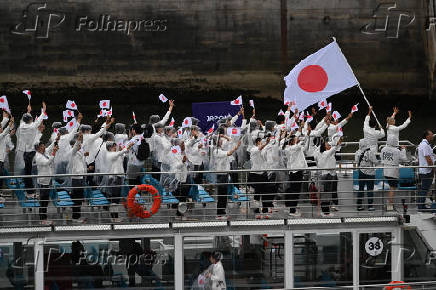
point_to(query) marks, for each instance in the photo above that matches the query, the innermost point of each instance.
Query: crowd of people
(294, 141)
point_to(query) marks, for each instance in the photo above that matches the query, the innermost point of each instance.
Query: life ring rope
(135, 209)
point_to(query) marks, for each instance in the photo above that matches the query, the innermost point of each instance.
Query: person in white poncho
(393, 130)
(391, 156)
(215, 273)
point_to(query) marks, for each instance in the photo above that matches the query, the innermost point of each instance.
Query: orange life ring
(135, 209)
(398, 286)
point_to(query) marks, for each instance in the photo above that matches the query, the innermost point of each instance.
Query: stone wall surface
(209, 44)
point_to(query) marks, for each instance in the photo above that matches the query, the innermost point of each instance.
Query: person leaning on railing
(426, 157)
(44, 159)
(366, 157)
(391, 156)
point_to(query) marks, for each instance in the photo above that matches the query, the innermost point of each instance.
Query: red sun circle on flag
(2, 100)
(312, 79)
(237, 102)
(174, 151)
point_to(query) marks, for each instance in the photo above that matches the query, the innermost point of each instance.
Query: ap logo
(38, 21)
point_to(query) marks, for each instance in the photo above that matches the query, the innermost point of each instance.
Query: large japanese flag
(319, 76)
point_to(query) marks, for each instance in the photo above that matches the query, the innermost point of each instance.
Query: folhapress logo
(38, 20)
(388, 20)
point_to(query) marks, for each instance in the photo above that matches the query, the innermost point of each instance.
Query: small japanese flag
(55, 130)
(252, 103)
(44, 114)
(322, 104)
(336, 115)
(339, 131)
(102, 113)
(234, 131)
(134, 117)
(180, 133)
(328, 108)
(71, 105)
(280, 113)
(210, 131)
(294, 126)
(237, 102)
(201, 280)
(105, 104)
(176, 149)
(27, 93)
(301, 118)
(4, 104)
(171, 124)
(67, 114)
(309, 118)
(355, 108)
(187, 122)
(109, 113)
(162, 98)
(71, 124)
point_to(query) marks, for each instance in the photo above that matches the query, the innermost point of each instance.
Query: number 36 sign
(374, 246)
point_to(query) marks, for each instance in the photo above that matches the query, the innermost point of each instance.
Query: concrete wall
(208, 44)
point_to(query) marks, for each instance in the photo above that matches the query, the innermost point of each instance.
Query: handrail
(314, 168)
(369, 286)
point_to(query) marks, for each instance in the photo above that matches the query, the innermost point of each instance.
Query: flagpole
(369, 105)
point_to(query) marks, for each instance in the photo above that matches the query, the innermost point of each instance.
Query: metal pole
(38, 251)
(178, 262)
(356, 262)
(397, 255)
(289, 260)
(369, 105)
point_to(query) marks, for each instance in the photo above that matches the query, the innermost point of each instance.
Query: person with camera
(44, 159)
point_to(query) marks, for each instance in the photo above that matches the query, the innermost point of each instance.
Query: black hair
(137, 128)
(257, 140)
(37, 145)
(221, 130)
(372, 123)
(216, 255)
(426, 133)
(280, 119)
(322, 146)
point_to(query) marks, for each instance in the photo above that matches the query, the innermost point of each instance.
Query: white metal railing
(244, 200)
